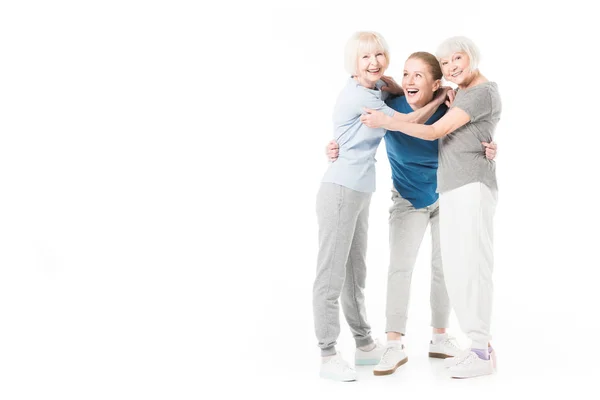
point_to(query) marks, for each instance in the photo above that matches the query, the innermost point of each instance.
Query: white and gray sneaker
(393, 357)
(445, 347)
(372, 357)
(337, 369)
(469, 365)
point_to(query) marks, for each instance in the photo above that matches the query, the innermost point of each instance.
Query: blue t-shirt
(414, 161)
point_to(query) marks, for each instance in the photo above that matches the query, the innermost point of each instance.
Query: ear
(436, 85)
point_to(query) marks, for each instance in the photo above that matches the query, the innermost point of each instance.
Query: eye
(405, 74)
(419, 75)
(379, 54)
(365, 56)
(444, 62)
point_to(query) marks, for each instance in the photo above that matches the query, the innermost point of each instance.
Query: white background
(159, 163)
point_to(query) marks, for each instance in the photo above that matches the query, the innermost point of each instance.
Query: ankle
(438, 337)
(482, 353)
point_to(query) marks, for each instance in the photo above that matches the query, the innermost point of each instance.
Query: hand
(392, 86)
(332, 150)
(372, 118)
(450, 97)
(442, 94)
(490, 150)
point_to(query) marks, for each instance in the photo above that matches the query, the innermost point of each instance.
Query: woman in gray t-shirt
(468, 196)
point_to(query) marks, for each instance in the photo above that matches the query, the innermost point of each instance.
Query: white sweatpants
(466, 235)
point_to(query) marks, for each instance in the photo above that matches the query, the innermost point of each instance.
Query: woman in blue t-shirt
(414, 164)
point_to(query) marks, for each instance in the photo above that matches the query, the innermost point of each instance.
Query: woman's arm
(391, 86)
(419, 116)
(374, 119)
(454, 119)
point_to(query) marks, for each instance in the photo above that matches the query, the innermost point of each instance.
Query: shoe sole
(440, 355)
(333, 378)
(391, 371)
(371, 361)
(483, 373)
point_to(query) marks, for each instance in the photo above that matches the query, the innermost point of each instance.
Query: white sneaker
(392, 358)
(369, 357)
(337, 369)
(470, 366)
(444, 348)
(451, 362)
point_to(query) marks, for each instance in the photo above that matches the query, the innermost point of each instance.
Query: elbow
(432, 135)
(435, 134)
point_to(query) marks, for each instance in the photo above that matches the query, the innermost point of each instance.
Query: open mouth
(411, 92)
(374, 71)
(454, 75)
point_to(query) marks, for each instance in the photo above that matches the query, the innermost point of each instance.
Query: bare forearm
(426, 132)
(451, 121)
(419, 116)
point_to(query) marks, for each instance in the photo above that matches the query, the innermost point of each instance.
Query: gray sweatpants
(343, 216)
(407, 228)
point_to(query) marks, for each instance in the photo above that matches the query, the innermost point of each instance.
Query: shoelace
(451, 341)
(387, 354)
(461, 356)
(468, 359)
(342, 363)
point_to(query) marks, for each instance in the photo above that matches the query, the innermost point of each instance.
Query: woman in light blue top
(343, 205)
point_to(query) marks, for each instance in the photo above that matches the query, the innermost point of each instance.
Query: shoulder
(398, 103)
(482, 89)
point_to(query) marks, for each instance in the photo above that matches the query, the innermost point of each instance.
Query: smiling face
(418, 82)
(456, 68)
(370, 68)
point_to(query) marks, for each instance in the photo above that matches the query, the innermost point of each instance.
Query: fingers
(333, 153)
(451, 95)
(491, 145)
(490, 154)
(332, 150)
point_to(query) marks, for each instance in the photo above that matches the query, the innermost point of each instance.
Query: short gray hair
(459, 44)
(364, 42)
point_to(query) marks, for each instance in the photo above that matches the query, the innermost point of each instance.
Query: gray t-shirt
(462, 156)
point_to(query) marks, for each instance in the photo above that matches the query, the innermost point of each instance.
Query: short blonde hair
(459, 44)
(364, 42)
